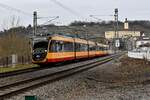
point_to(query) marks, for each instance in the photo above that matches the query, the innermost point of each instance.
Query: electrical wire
(65, 7)
(101, 15)
(50, 20)
(47, 17)
(14, 9)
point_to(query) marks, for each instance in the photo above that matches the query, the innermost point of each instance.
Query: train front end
(40, 50)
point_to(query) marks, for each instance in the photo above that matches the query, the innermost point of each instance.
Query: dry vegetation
(124, 71)
(13, 43)
(134, 70)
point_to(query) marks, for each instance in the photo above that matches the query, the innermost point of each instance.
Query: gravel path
(96, 84)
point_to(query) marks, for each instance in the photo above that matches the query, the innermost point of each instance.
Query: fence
(139, 54)
(14, 60)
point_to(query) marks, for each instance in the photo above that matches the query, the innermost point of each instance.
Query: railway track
(18, 72)
(20, 86)
(13, 73)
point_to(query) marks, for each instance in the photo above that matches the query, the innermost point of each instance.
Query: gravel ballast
(100, 83)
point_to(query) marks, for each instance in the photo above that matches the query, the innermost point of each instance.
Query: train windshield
(40, 47)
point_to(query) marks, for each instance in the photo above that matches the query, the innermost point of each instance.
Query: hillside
(94, 31)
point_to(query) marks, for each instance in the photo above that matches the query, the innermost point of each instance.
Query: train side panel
(60, 56)
(92, 53)
(100, 53)
(83, 54)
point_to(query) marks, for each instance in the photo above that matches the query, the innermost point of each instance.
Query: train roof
(78, 40)
(39, 39)
(68, 39)
(91, 43)
(65, 38)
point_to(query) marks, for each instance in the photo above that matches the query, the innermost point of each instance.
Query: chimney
(126, 24)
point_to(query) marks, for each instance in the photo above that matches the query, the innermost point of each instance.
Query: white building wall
(138, 43)
(122, 34)
(140, 54)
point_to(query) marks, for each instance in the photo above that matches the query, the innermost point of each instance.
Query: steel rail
(21, 86)
(41, 76)
(19, 72)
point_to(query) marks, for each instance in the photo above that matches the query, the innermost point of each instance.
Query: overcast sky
(76, 10)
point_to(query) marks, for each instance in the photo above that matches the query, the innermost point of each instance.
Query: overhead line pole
(34, 23)
(116, 30)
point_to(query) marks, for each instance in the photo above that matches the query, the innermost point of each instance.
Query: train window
(52, 46)
(68, 47)
(43, 44)
(56, 46)
(101, 48)
(81, 47)
(106, 48)
(97, 48)
(61, 46)
(92, 47)
(40, 47)
(77, 47)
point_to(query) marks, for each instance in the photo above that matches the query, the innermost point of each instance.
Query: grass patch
(17, 67)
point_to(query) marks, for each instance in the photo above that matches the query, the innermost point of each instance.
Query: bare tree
(13, 42)
(11, 22)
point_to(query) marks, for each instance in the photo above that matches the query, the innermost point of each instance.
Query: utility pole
(34, 23)
(116, 20)
(116, 38)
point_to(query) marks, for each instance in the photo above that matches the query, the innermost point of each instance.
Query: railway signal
(117, 43)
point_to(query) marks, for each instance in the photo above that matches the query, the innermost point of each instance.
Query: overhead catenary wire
(65, 7)
(54, 18)
(97, 16)
(46, 17)
(7, 7)
(101, 15)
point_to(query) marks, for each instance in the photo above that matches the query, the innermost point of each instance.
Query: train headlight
(38, 56)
